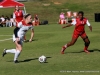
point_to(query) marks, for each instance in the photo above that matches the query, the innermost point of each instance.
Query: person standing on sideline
(18, 38)
(79, 30)
(36, 21)
(18, 15)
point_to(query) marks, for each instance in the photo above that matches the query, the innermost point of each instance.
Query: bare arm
(32, 35)
(71, 24)
(67, 26)
(14, 17)
(90, 27)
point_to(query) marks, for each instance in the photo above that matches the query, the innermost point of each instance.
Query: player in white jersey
(18, 36)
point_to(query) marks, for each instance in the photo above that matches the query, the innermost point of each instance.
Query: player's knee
(87, 43)
(20, 48)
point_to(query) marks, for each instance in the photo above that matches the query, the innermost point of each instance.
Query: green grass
(48, 41)
(51, 12)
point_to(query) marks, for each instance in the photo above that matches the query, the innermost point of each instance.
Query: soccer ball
(42, 59)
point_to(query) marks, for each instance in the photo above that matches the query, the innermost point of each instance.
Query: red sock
(63, 48)
(86, 48)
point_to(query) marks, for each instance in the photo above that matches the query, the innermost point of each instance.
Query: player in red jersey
(79, 30)
(18, 15)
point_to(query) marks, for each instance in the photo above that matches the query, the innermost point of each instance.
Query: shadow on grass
(47, 59)
(32, 40)
(28, 60)
(94, 50)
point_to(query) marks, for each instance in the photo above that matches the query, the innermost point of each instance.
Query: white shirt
(11, 20)
(3, 19)
(23, 29)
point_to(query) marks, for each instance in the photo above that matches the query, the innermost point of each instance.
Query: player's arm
(32, 35)
(71, 24)
(14, 17)
(67, 26)
(89, 25)
(23, 12)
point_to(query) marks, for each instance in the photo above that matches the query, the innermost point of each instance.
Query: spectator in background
(7, 21)
(3, 19)
(36, 21)
(62, 19)
(1, 23)
(18, 15)
(12, 23)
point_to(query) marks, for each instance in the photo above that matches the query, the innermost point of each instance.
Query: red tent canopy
(10, 3)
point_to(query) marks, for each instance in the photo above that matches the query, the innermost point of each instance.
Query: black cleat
(4, 53)
(16, 61)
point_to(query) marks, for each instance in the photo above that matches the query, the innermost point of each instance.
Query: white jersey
(3, 19)
(23, 29)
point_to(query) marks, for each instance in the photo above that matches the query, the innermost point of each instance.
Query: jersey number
(82, 22)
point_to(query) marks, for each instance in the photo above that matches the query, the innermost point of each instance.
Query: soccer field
(48, 41)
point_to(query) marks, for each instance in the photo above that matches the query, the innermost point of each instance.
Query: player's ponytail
(81, 12)
(26, 15)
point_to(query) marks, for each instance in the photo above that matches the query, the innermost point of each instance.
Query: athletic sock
(64, 47)
(16, 55)
(86, 48)
(10, 50)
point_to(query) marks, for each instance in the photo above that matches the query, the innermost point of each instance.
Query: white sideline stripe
(6, 39)
(5, 35)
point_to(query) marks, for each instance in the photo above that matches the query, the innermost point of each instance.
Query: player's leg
(86, 42)
(74, 39)
(9, 50)
(18, 50)
(24, 38)
(68, 44)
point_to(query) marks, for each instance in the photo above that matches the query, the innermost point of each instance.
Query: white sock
(16, 54)
(65, 46)
(11, 51)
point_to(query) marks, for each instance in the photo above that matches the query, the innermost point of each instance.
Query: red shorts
(76, 34)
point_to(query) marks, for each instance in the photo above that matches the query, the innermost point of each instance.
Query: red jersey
(18, 15)
(80, 25)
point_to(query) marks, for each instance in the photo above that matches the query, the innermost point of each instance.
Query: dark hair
(81, 12)
(2, 15)
(26, 15)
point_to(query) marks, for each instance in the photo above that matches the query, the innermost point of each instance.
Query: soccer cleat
(4, 53)
(86, 51)
(63, 49)
(62, 52)
(16, 61)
